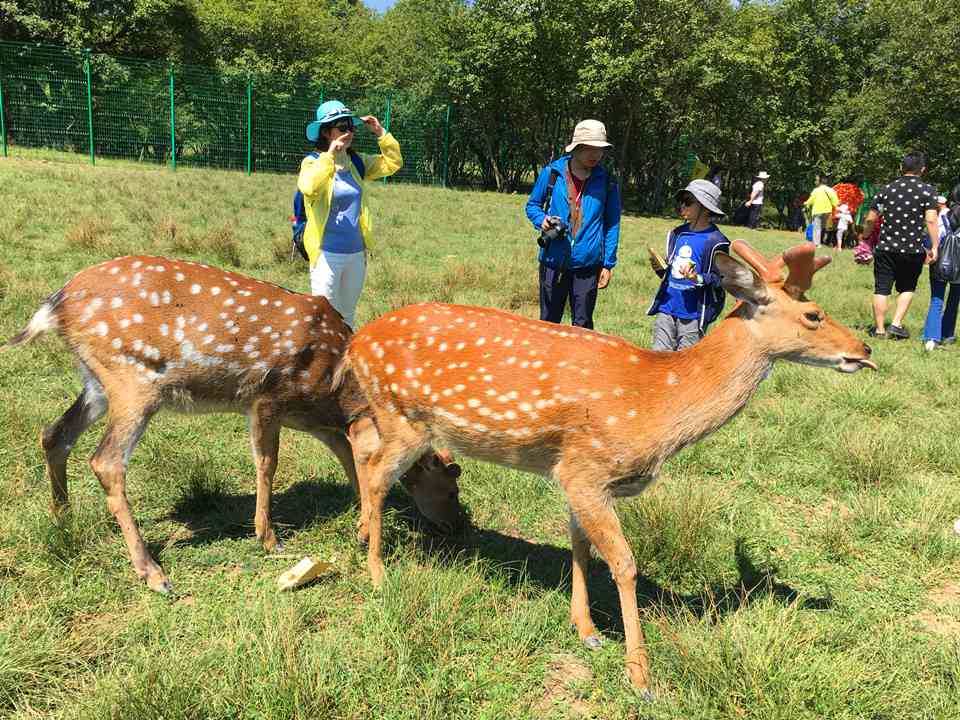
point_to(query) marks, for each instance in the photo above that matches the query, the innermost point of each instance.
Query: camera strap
(554, 174)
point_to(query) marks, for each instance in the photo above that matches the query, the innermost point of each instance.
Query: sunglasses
(343, 126)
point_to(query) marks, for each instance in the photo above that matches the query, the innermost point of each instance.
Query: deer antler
(801, 265)
(769, 272)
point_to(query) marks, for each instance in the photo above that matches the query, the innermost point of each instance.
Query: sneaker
(949, 340)
(872, 332)
(931, 345)
(897, 332)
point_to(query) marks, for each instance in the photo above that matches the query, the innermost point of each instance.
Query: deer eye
(812, 317)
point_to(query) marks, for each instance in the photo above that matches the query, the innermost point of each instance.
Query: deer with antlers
(592, 411)
(150, 333)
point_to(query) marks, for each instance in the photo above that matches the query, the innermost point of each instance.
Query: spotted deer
(150, 333)
(592, 411)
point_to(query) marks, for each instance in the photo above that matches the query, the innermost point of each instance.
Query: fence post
(386, 120)
(173, 137)
(86, 72)
(446, 147)
(249, 126)
(3, 120)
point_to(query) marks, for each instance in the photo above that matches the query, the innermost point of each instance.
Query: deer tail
(43, 320)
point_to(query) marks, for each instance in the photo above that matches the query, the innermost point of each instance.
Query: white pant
(339, 278)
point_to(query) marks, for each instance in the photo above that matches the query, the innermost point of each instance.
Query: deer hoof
(277, 548)
(646, 695)
(594, 642)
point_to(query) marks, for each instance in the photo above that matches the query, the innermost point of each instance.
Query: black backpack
(298, 221)
(947, 266)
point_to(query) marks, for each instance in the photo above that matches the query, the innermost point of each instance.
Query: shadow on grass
(550, 567)
(217, 515)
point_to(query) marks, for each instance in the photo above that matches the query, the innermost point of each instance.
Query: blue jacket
(596, 243)
(710, 295)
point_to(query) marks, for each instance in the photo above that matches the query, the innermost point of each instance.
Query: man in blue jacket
(575, 204)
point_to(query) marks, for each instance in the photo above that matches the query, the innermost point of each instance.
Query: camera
(557, 230)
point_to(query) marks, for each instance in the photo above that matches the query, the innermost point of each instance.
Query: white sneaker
(930, 345)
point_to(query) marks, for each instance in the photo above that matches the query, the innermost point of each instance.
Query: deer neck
(713, 380)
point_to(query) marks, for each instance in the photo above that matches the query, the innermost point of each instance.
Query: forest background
(791, 87)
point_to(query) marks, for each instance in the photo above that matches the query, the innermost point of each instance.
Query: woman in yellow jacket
(821, 204)
(337, 234)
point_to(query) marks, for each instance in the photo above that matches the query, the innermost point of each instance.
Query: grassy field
(800, 563)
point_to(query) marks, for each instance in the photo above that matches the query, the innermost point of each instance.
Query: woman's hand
(373, 125)
(340, 144)
(604, 279)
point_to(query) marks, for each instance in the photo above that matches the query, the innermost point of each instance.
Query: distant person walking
(337, 233)
(754, 203)
(821, 203)
(941, 326)
(908, 239)
(575, 205)
(844, 220)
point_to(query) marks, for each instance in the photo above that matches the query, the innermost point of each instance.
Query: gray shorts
(670, 333)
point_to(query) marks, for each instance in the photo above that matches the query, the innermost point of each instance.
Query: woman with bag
(337, 234)
(941, 326)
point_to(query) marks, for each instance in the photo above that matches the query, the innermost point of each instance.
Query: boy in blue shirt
(690, 296)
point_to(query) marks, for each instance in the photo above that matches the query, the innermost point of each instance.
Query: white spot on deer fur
(178, 335)
(207, 339)
(447, 392)
(264, 301)
(543, 376)
(229, 301)
(155, 298)
(253, 318)
(138, 345)
(241, 309)
(178, 277)
(164, 330)
(136, 264)
(136, 279)
(116, 343)
(114, 270)
(672, 378)
(631, 413)
(215, 290)
(389, 369)
(266, 330)
(195, 289)
(224, 348)
(277, 303)
(101, 328)
(137, 318)
(442, 347)
(473, 402)
(612, 420)
(253, 355)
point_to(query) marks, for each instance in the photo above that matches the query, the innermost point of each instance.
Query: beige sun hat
(589, 132)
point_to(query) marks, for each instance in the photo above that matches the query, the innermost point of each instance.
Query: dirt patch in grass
(560, 695)
(937, 621)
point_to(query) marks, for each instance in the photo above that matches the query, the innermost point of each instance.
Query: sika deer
(593, 411)
(151, 333)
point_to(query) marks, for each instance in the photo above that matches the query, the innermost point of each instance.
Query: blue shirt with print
(681, 296)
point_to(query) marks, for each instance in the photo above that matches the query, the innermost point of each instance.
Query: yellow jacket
(822, 200)
(316, 184)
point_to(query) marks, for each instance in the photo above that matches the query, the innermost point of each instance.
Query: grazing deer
(151, 333)
(596, 413)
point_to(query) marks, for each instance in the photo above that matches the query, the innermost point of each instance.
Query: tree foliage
(789, 86)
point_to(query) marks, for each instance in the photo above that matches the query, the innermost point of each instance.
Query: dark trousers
(578, 286)
(754, 216)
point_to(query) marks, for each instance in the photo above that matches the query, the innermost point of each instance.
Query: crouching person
(690, 296)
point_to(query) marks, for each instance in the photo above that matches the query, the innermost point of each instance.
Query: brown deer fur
(151, 333)
(594, 412)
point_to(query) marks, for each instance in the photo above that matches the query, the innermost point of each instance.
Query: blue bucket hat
(329, 112)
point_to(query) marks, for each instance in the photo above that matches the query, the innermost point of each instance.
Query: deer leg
(339, 445)
(377, 471)
(594, 514)
(109, 464)
(579, 599)
(364, 443)
(265, 443)
(58, 439)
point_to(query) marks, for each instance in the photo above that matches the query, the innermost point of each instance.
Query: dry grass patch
(566, 677)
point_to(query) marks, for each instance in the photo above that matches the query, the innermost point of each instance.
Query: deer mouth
(851, 365)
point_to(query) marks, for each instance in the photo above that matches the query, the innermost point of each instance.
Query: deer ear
(740, 281)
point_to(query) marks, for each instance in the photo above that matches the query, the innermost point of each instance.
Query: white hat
(706, 193)
(589, 132)
(763, 175)
(941, 199)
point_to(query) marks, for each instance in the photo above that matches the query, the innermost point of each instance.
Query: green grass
(799, 563)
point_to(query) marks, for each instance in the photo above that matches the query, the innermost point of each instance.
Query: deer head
(788, 323)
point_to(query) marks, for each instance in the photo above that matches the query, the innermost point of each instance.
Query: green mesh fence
(193, 116)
